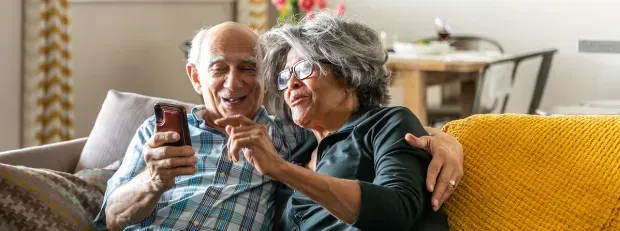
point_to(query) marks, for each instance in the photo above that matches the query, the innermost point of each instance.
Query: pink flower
(340, 9)
(321, 4)
(278, 3)
(305, 5)
(310, 15)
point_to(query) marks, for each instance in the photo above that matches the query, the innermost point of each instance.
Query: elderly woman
(328, 74)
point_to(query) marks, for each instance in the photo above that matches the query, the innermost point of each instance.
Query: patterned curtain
(254, 13)
(48, 95)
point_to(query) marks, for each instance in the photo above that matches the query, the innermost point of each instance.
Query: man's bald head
(220, 34)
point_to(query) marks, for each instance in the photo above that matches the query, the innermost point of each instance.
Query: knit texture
(527, 172)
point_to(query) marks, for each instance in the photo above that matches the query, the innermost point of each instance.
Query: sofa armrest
(61, 156)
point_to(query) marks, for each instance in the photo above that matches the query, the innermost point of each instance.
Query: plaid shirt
(221, 195)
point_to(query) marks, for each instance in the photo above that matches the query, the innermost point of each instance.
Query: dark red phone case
(172, 117)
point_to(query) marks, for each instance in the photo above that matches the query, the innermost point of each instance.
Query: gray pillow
(121, 114)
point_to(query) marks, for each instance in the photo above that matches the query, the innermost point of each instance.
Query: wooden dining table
(412, 74)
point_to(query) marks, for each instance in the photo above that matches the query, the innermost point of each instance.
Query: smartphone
(172, 118)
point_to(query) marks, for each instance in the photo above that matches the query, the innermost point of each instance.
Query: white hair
(196, 47)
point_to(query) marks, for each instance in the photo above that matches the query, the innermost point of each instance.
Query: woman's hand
(253, 139)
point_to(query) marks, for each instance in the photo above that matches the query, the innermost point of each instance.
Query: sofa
(522, 172)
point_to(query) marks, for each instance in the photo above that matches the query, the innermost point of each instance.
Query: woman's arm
(393, 200)
(340, 197)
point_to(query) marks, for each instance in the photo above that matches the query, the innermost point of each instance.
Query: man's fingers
(457, 175)
(414, 141)
(433, 172)
(176, 162)
(441, 187)
(450, 189)
(423, 142)
(169, 152)
(180, 171)
(234, 120)
(161, 138)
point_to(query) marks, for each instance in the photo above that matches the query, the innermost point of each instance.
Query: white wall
(520, 26)
(10, 68)
(134, 47)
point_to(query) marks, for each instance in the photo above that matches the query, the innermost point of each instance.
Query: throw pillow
(41, 199)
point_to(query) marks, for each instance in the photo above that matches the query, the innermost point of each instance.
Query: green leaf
(290, 13)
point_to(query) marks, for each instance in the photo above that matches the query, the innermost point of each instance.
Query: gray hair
(353, 48)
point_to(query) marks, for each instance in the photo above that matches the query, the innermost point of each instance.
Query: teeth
(231, 100)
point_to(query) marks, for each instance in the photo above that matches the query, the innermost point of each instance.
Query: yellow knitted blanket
(527, 172)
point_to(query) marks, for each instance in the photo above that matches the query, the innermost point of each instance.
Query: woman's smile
(298, 100)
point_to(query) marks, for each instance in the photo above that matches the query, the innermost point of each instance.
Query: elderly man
(200, 187)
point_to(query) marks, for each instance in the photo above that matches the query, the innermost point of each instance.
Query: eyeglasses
(302, 69)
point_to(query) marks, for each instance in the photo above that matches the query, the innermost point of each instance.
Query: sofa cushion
(526, 172)
(41, 199)
(121, 114)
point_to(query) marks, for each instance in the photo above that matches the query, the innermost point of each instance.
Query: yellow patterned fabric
(48, 94)
(527, 172)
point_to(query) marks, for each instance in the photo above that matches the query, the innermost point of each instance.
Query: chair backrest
(469, 42)
(516, 60)
(530, 172)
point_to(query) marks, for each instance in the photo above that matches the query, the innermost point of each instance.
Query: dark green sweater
(370, 148)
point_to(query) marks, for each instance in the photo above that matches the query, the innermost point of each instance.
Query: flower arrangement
(294, 10)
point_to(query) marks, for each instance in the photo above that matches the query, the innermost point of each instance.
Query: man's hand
(253, 139)
(164, 163)
(446, 168)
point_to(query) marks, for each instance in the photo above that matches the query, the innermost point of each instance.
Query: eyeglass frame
(291, 71)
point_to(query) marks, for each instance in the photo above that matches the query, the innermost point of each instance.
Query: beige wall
(519, 25)
(134, 47)
(10, 68)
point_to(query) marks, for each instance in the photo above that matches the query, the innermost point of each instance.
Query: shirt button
(213, 193)
(196, 223)
(222, 174)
